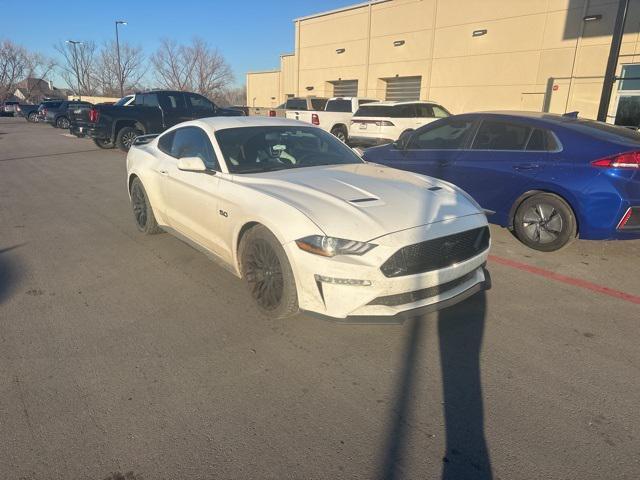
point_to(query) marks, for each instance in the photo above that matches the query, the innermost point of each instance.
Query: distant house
(35, 90)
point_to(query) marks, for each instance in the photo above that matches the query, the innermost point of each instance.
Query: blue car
(549, 177)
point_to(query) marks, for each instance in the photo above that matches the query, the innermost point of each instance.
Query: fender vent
(434, 189)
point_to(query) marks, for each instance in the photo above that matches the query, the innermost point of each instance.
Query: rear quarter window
(338, 106)
(320, 103)
(374, 111)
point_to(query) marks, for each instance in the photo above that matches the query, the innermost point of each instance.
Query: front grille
(437, 253)
(417, 295)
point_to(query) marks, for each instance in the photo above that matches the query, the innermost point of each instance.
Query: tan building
(468, 55)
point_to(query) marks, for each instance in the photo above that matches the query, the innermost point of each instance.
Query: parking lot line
(576, 282)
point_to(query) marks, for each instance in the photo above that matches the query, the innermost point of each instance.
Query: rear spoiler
(144, 139)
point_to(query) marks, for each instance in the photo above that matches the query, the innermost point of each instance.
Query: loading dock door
(402, 89)
(345, 88)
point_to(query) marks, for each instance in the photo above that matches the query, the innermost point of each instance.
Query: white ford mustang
(306, 222)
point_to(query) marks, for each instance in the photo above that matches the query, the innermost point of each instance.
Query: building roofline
(287, 54)
(277, 70)
(343, 9)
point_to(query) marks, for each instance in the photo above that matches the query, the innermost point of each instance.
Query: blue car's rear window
(604, 131)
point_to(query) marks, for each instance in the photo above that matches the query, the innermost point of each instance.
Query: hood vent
(434, 189)
(362, 200)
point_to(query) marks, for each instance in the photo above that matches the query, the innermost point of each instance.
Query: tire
(267, 273)
(340, 133)
(63, 123)
(125, 138)
(32, 117)
(545, 222)
(142, 211)
(104, 143)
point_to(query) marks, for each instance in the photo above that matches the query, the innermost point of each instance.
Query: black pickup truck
(153, 112)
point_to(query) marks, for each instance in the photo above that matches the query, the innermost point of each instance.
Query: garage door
(400, 89)
(345, 88)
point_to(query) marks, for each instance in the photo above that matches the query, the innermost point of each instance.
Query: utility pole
(120, 79)
(75, 63)
(612, 63)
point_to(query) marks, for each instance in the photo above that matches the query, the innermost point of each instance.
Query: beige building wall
(536, 54)
(263, 88)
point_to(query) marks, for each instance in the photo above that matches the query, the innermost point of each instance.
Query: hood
(363, 201)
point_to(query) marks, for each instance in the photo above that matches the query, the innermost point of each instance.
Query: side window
(150, 100)
(296, 104)
(424, 111)
(440, 112)
(198, 102)
(193, 142)
(171, 101)
(404, 111)
(165, 142)
(499, 135)
(445, 135)
(542, 140)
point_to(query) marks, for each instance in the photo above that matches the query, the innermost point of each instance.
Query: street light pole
(75, 63)
(120, 80)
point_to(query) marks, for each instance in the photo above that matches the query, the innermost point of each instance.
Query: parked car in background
(79, 117)
(549, 177)
(42, 108)
(58, 116)
(9, 108)
(27, 111)
(384, 122)
(298, 104)
(306, 222)
(335, 117)
(153, 112)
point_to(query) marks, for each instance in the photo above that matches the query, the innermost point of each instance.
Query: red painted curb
(576, 282)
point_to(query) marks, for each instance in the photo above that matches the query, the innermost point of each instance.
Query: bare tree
(77, 67)
(14, 63)
(196, 67)
(133, 68)
(231, 96)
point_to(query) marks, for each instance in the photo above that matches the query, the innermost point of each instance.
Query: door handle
(526, 166)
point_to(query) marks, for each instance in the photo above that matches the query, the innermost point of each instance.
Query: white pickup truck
(335, 117)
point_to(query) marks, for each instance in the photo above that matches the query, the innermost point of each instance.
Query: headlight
(330, 247)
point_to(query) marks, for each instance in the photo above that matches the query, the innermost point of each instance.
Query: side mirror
(403, 142)
(191, 164)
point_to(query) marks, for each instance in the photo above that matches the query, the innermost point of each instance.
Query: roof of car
(408, 102)
(220, 123)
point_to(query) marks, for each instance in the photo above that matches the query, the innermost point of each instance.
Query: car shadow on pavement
(9, 273)
(460, 331)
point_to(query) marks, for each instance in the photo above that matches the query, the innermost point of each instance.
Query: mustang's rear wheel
(267, 273)
(142, 211)
(545, 222)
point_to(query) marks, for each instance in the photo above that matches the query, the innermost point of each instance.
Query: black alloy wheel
(264, 275)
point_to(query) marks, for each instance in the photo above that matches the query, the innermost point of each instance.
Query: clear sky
(251, 34)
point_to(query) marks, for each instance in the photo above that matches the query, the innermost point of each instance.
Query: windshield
(264, 149)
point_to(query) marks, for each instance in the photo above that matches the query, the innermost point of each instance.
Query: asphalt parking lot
(132, 355)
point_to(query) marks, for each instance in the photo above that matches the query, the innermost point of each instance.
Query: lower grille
(437, 253)
(417, 295)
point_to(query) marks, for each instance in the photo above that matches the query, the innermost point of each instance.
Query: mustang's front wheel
(267, 273)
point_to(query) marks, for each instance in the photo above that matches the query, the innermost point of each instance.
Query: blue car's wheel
(545, 222)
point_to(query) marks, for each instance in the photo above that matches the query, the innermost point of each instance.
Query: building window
(345, 88)
(402, 89)
(631, 72)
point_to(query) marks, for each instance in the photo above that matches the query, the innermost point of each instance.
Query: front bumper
(369, 302)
